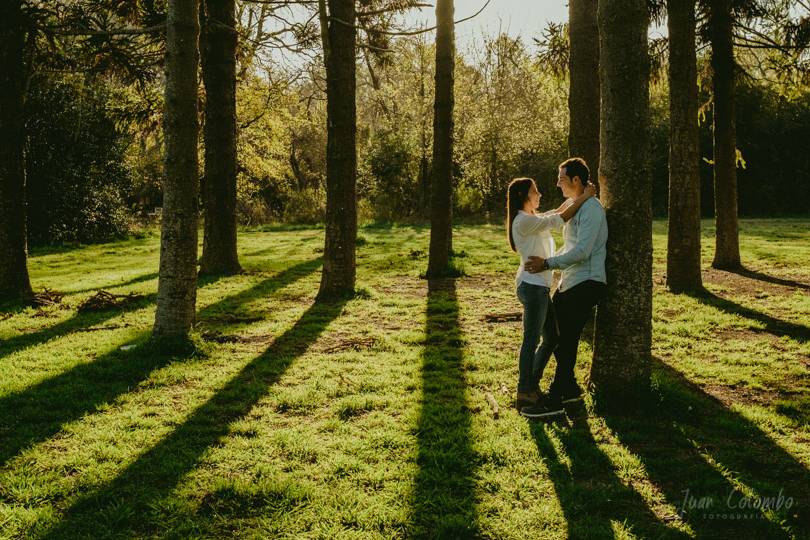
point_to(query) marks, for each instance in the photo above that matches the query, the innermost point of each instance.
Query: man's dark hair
(576, 166)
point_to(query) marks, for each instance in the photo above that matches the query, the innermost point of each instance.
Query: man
(582, 284)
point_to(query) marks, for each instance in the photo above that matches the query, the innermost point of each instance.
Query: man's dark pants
(566, 318)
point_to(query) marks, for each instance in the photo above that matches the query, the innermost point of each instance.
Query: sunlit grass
(369, 418)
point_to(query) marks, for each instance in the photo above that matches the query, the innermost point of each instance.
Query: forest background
(94, 138)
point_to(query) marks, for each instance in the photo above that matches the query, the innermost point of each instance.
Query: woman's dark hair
(516, 197)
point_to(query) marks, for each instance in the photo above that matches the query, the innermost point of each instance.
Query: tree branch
(411, 32)
(116, 32)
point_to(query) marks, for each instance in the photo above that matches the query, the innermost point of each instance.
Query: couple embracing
(553, 325)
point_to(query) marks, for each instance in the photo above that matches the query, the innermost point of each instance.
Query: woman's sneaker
(544, 408)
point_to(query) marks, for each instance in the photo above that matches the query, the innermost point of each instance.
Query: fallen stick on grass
(503, 317)
(104, 300)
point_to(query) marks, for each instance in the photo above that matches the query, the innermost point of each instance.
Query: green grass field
(369, 418)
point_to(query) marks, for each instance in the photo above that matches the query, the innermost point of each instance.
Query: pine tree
(621, 360)
(177, 282)
(683, 238)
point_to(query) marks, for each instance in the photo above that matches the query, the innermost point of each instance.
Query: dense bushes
(389, 176)
(773, 136)
(77, 183)
(773, 174)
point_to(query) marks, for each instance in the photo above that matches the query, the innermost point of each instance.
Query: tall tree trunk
(441, 189)
(14, 281)
(177, 283)
(218, 55)
(424, 162)
(583, 71)
(338, 278)
(424, 182)
(727, 245)
(621, 360)
(683, 239)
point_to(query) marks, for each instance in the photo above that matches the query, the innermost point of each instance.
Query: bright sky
(525, 18)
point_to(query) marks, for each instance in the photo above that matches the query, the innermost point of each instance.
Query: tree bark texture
(583, 92)
(727, 246)
(621, 360)
(683, 238)
(218, 42)
(338, 278)
(177, 283)
(14, 281)
(441, 199)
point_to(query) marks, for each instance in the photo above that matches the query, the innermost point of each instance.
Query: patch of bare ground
(755, 283)
(413, 287)
(406, 286)
(343, 342)
(749, 282)
(729, 394)
(752, 334)
(490, 282)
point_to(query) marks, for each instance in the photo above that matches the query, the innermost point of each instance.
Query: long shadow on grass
(78, 322)
(590, 493)
(35, 413)
(137, 279)
(760, 276)
(691, 446)
(129, 499)
(81, 322)
(443, 503)
(774, 326)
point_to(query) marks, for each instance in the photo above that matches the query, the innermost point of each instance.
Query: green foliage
(510, 120)
(262, 151)
(391, 176)
(77, 180)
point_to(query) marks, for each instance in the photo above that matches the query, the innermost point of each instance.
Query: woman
(530, 235)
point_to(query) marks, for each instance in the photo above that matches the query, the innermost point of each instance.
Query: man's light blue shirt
(582, 258)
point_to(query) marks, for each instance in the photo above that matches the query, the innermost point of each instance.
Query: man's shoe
(544, 408)
(571, 394)
(525, 399)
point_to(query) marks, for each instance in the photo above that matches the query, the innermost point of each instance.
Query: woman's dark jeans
(535, 300)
